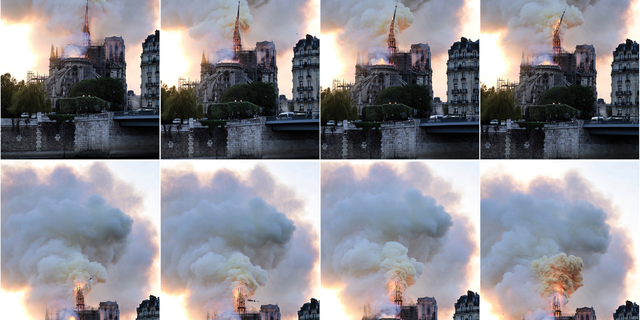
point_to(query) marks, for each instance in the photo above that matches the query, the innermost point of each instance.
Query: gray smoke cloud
(529, 25)
(222, 232)
(60, 22)
(66, 227)
(210, 26)
(384, 221)
(364, 25)
(554, 218)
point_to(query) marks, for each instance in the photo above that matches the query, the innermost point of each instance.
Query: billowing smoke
(545, 236)
(73, 51)
(221, 238)
(60, 22)
(529, 27)
(558, 275)
(378, 228)
(65, 230)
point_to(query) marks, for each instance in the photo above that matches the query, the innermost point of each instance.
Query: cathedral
(242, 66)
(395, 68)
(74, 63)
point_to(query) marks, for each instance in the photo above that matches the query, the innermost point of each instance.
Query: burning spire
(86, 41)
(392, 38)
(557, 45)
(556, 306)
(398, 296)
(79, 298)
(237, 41)
(240, 303)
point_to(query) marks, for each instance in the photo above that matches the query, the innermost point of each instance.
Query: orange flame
(381, 61)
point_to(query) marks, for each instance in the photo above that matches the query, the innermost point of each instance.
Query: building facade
(150, 72)
(75, 63)
(627, 311)
(236, 66)
(624, 80)
(467, 307)
(109, 310)
(427, 308)
(310, 310)
(149, 309)
(378, 71)
(306, 74)
(463, 84)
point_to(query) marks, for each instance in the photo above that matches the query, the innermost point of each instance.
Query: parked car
(331, 123)
(494, 121)
(286, 115)
(176, 121)
(436, 117)
(599, 118)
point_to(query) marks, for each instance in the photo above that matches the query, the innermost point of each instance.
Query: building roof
(309, 40)
(465, 43)
(627, 46)
(470, 297)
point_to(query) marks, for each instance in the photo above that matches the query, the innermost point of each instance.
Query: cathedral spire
(52, 56)
(204, 59)
(85, 31)
(237, 41)
(392, 38)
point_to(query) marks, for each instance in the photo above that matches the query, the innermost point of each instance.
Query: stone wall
(565, 140)
(245, 139)
(401, 140)
(86, 136)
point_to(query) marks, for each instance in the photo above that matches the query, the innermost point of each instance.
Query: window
(309, 83)
(620, 67)
(300, 63)
(300, 73)
(308, 72)
(300, 84)
(463, 64)
(308, 62)
(456, 55)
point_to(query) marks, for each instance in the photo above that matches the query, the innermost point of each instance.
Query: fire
(486, 311)
(546, 63)
(332, 306)
(381, 61)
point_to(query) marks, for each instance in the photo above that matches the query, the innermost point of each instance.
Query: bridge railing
(456, 119)
(294, 117)
(633, 120)
(135, 113)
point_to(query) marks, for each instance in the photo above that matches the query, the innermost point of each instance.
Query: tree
(182, 105)
(500, 105)
(109, 89)
(9, 87)
(31, 99)
(338, 106)
(412, 95)
(165, 94)
(259, 93)
(576, 96)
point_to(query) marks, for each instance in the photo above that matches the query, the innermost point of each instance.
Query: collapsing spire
(53, 54)
(86, 41)
(392, 38)
(204, 59)
(557, 45)
(237, 41)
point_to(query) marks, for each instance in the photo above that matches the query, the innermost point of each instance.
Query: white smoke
(555, 218)
(73, 51)
(219, 235)
(60, 229)
(378, 228)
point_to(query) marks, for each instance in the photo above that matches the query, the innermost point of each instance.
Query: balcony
(455, 91)
(463, 79)
(475, 90)
(463, 91)
(310, 88)
(300, 88)
(618, 93)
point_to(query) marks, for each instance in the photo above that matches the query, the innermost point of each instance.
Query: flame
(546, 63)
(332, 306)
(381, 61)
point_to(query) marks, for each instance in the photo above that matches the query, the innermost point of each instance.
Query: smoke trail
(61, 229)
(220, 235)
(564, 219)
(377, 228)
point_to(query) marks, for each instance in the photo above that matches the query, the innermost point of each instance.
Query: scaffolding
(186, 83)
(505, 84)
(341, 85)
(34, 77)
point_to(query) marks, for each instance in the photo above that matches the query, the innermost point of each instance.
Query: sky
(230, 225)
(31, 27)
(511, 27)
(352, 26)
(381, 220)
(189, 28)
(100, 219)
(533, 209)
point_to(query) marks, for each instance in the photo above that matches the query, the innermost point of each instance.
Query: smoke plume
(63, 229)
(382, 224)
(546, 236)
(220, 236)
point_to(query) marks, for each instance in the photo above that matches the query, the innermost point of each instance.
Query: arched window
(463, 64)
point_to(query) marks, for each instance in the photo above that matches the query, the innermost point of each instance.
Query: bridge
(455, 125)
(294, 123)
(611, 127)
(137, 119)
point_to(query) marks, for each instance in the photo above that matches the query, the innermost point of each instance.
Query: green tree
(576, 96)
(31, 99)
(412, 95)
(9, 87)
(262, 94)
(500, 105)
(165, 94)
(109, 89)
(338, 106)
(182, 105)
